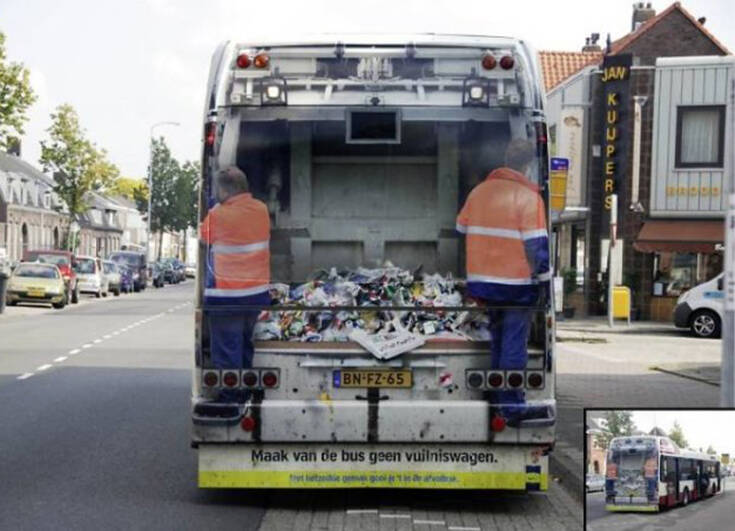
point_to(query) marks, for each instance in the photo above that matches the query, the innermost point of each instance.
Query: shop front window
(675, 273)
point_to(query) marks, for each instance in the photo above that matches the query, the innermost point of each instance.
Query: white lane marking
(87, 345)
(116, 333)
(24, 376)
(106, 336)
(60, 359)
(460, 528)
(362, 511)
(74, 351)
(429, 522)
(395, 516)
(97, 341)
(43, 367)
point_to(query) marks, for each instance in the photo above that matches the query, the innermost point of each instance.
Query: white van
(700, 309)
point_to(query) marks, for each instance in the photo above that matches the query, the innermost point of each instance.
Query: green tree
(16, 96)
(619, 424)
(711, 451)
(78, 166)
(129, 188)
(164, 171)
(677, 435)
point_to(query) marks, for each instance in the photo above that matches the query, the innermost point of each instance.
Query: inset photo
(648, 468)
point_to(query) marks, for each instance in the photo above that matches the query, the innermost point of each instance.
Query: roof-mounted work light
(273, 91)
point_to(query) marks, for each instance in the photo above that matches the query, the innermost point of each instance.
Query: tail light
(247, 423)
(261, 61)
(495, 379)
(210, 133)
(475, 379)
(497, 424)
(249, 379)
(507, 62)
(489, 62)
(515, 379)
(269, 379)
(210, 378)
(230, 378)
(534, 380)
(243, 60)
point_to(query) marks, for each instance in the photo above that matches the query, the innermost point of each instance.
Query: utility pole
(727, 367)
(610, 261)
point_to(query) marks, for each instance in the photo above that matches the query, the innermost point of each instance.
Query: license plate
(36, 292)
(372, 378)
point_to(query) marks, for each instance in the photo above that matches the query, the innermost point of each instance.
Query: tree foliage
(78, 165)
(677, 435)
(711, 451)
(129, 188)
(619, 424)
(16, 96)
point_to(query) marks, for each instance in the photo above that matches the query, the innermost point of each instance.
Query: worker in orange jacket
(237, 232)
(504, 219)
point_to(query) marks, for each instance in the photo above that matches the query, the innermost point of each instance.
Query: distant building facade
(100, 230)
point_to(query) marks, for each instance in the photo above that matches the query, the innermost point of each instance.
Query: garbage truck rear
(373, 364)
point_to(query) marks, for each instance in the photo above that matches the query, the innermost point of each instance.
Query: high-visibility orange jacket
(504, 219)
(238, 234)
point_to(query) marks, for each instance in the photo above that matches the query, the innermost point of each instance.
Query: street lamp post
(150, 183)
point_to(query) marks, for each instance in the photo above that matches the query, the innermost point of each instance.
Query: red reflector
(270, 379)
(507, 62)
(495, 379)
(243, 60)
(497, 424)
(211, 379)
(210, 133)
(515, 379)
(249, 379)
(261, 61)
(230, 379)
(489, 62)
(535, 380)
(248, 423)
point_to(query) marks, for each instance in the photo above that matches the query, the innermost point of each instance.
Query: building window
(675, 273)
(700, 136)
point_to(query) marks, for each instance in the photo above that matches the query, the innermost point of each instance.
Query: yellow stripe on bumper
(632, 508)
(308, 479)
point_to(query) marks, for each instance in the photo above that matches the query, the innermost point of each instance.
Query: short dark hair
(519, 153)
(232, 181)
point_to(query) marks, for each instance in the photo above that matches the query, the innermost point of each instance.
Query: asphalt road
(94, 409)
(717, 512)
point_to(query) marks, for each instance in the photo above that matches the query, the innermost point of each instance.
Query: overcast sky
(701, 428)
(127, 65)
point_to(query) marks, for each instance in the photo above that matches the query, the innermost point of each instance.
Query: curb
(687, 376)
(567, 470)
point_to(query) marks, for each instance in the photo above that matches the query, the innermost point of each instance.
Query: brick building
(648, 225)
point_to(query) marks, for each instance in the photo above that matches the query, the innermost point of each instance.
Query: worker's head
(519, 154)
(231, 181)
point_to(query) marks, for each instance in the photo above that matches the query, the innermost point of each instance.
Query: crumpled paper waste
(371, 289)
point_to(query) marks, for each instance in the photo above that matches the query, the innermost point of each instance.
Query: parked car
(90, 275)
(126, 278)
(36, 282)
(157, 275)
(137, 262)
(595, 482)
(169, 275)
(190, 270)
(700, 308)
(179, 268)
(64, 260)
(112, 273)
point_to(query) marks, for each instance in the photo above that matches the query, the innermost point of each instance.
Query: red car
(65, 261)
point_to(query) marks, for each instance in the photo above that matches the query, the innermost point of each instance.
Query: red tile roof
(558, 66)
(622, 43)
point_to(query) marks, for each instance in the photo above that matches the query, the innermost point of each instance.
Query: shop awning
(682, 236)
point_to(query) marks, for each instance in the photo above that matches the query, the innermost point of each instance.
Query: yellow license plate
(36, 292)
(372, 378)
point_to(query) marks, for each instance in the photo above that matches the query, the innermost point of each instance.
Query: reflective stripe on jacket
(238, 234)
(504, 219)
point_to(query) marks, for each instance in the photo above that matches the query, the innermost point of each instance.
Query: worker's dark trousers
(509, 346)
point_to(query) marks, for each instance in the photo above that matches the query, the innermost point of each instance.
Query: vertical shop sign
(616, 115)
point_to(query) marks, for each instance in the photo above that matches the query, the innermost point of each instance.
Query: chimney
(641, 13)
(590, 43)
(14, 146)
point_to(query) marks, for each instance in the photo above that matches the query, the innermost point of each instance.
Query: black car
(136, 262)
(157, 276)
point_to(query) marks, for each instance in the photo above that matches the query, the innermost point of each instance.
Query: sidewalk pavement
(592, 329)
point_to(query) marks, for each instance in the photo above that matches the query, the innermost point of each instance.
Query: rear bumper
(14, 296)
(333, 465)
(682, 313)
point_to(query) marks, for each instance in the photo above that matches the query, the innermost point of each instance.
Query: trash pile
(371, 289)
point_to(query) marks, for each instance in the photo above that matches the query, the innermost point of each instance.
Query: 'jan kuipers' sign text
(615, 79)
